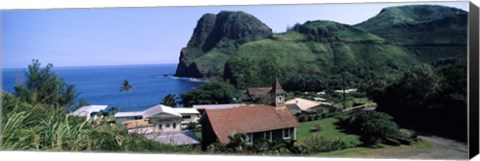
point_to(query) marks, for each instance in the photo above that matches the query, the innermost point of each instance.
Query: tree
(209, 93)
(126, 87)
(409, 96)
(44, 87)
(429, 99)
(169, 100)
(373, 127)
(81, 103)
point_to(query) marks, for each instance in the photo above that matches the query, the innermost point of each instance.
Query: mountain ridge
(253, 55)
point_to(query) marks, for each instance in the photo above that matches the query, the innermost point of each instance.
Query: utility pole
(343, 88)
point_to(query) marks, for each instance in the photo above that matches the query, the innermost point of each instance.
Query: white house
(157, 119)
(346, 90)
(125, 116)
(188, 115)
(91, 112)
(303, 104)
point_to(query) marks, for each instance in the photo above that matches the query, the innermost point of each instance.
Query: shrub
(317, 143)
(373, 127)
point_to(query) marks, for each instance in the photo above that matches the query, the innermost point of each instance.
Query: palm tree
(169, 100)
(126, 87)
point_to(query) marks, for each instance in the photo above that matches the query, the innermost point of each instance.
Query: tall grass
(28, 127)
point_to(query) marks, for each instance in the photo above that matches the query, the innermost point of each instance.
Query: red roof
(248, 119)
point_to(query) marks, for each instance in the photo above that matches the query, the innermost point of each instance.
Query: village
(274, 117)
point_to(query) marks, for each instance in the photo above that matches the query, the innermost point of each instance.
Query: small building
(175, 138)
(188, 115)
(346, 90)
(157, 119)
(258, 92)
(121, 117)
(270, 122)
(303, 104)
(91, 112)
(319, 99)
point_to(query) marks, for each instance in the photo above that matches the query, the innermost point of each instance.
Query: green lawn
(328, 130)
(380, 150)
(198, 134)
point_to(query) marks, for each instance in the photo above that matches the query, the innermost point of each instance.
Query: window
(250, 137)
(187, 117)
(160, 126)
(267, 135)
(286, 133)
(167, 125)
(174, 125)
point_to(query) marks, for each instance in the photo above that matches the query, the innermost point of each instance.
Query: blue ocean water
(101, 84)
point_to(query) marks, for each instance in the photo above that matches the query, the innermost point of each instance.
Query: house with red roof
(258, 121)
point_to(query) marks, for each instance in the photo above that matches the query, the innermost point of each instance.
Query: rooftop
(187, 110)
(154, 111)
(87, 110)
(258, 91)
(303, 104)
(217, 106)
(175, 138)
(248, 119)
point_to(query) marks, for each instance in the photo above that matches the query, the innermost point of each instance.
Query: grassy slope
(430, 32)
(381, 151)
(38, 127)
(328, 130)
(294, 55)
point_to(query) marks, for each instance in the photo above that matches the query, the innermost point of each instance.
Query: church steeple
(277, 94)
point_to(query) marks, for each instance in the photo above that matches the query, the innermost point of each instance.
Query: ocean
(100, 85)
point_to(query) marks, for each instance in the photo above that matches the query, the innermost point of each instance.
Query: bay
(101, 84)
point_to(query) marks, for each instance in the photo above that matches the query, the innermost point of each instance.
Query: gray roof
(175, 138)
(216, 106)
(294, 109)
(156, 112)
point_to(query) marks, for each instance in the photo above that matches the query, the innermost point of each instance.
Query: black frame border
(473, 71)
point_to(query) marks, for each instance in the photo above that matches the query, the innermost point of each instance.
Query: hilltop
(215, 39)
(429, 31)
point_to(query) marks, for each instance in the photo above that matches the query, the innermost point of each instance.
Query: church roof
(277, 88)
(249, 119)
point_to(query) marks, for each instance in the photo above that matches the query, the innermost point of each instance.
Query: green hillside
(320, 48)
(215, 38)
(428, 31)
(242, 50)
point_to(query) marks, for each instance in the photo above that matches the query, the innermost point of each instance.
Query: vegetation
(298, 60)
(373, 127)
(323, 55)
(30, 124)
(44, 87)
(328, 130)
(239, 144)
(126, 87)
(375, 151)
(215, 39)
(170, 100)
(430, 32)
(210, 93)
(439, 93)
(317, 144)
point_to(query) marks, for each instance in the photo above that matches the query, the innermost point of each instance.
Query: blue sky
(121, 36)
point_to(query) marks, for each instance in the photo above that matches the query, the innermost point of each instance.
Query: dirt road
(441, 148)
